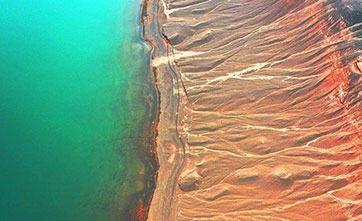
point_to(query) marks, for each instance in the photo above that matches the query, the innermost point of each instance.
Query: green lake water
(73, 77)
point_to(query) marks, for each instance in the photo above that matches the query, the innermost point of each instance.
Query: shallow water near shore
(75, 99)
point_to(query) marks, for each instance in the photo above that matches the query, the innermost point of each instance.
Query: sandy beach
(260, 114)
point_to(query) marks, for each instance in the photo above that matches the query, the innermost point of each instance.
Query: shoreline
(148, 152)
(169, 145)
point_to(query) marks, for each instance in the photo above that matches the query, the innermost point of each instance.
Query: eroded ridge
(268, 120)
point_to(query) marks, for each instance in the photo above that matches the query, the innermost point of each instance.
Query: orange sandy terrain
(260, 113)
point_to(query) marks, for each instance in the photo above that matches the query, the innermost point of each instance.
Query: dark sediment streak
(139, 208)
(152, 98)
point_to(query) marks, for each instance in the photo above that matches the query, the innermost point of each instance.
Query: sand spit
(260, 111)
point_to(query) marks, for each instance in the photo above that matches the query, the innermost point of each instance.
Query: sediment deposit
(260, 113)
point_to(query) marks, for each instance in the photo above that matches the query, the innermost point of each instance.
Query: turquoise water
(72, 78)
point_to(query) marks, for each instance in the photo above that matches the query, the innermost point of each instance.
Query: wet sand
(260, 109)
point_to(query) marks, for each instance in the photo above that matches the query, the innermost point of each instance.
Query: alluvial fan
(269, 118)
